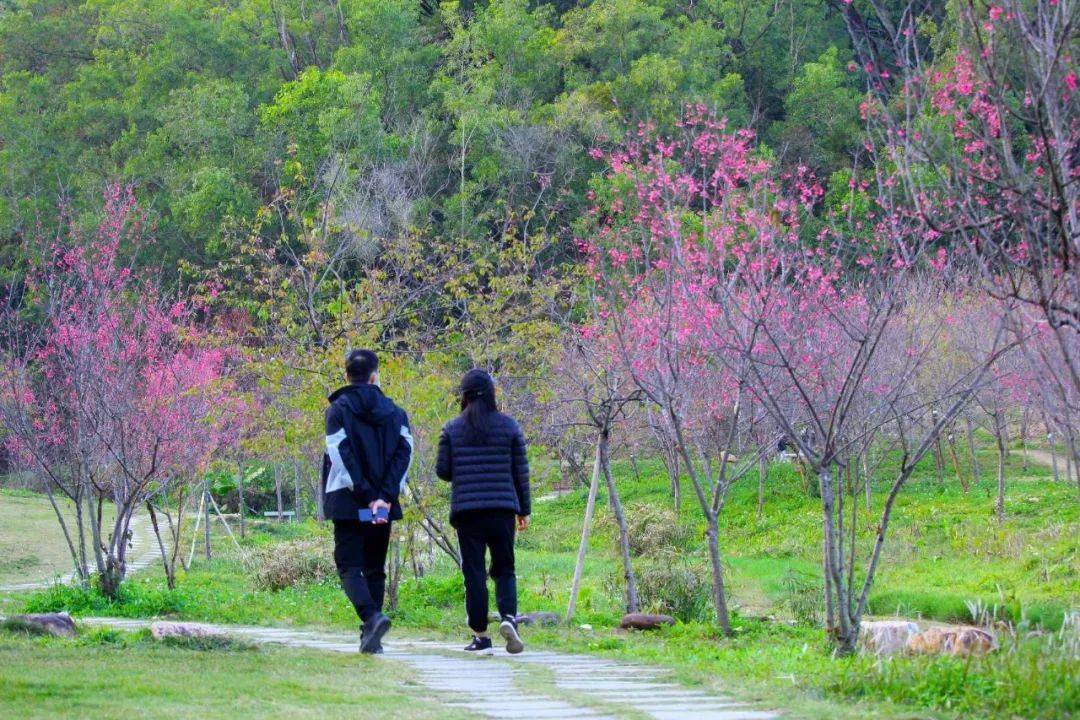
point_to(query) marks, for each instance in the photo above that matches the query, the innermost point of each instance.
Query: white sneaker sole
(510, 635)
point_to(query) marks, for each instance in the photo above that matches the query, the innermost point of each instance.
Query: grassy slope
(26, 515)
(115, 675)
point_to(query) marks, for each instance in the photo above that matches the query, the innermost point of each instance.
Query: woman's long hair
(478, 405)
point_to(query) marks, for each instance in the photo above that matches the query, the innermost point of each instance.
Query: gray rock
(57, 624)
(543, 619)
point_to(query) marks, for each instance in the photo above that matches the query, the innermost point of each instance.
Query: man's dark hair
(360, 364)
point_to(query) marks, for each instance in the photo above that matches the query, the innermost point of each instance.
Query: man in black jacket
(368, 453)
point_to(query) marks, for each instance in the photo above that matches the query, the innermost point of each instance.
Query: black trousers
(479, 531)
(360, 556)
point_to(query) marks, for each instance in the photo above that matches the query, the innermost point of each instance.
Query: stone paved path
(513, 687)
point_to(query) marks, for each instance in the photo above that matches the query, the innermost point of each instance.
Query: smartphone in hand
(381, 514)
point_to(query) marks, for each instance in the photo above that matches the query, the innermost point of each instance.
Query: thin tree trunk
(624, 534)
(97, 546)
(80, 570)
(999, 436)
(712, 538)
(866, 481)
(1024, 439)
(170, 578)
(833, 563)
(763, 471)
(277, 491)
(241, 504)
(976, 471)
(583, 546)
(939, 462)
(1053, 457)
(298, 499)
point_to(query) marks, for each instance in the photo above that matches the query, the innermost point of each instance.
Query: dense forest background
(461, 120)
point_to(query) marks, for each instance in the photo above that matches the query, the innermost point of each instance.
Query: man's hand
(374, 507)
(522, 522)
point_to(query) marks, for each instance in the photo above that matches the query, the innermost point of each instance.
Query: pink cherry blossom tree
(111, 393)
(725, 307)
(982, 142)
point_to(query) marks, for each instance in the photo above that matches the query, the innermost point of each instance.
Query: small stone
(886, 637)
(644, 621)
(161, 630)
(953, 640)
(585, 627)
(57, 624)
(543, 619)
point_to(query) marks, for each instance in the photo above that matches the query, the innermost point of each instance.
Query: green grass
(122, 675)
(945, 549)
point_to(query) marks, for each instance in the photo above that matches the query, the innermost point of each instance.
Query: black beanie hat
(477, 382)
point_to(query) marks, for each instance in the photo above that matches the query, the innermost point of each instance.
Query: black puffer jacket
(491, 476)
(368, 452)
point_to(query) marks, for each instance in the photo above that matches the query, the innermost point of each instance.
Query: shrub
(135, 599)
(1029, 678)
(803, 595)
(297, 562)
(654, 529)
(676, 589)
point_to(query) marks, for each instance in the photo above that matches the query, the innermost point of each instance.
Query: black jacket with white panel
(368, 452)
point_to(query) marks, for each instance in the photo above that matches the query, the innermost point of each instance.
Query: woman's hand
(522, 522)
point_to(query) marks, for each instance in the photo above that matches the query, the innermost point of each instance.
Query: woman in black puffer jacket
(482, 455)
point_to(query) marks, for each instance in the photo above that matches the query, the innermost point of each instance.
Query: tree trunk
(866, 481)
(976, 472)
(999, 436)
(79, 569)
(624, 534)
(298, 499)
(763, 470)
(1024, 439)
(845, 635)
(583, 546)
(170, 575)
(241, 504)
(320, 514)
(277, 491)
(712, 537)
(939, 461)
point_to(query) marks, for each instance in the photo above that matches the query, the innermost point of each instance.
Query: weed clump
(653, 530)
(675, 589)
(297, 562)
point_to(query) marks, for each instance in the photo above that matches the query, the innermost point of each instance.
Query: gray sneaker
(508, 630)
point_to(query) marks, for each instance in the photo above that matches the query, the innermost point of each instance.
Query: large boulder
(162, 630)
(886, 637)
(953, 640)
(58, 624)
(543, 619)
(645, 621)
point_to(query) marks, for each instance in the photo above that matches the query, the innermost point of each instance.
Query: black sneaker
(508, 630)
(479, 644)
(377, 650)
(371, 634)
